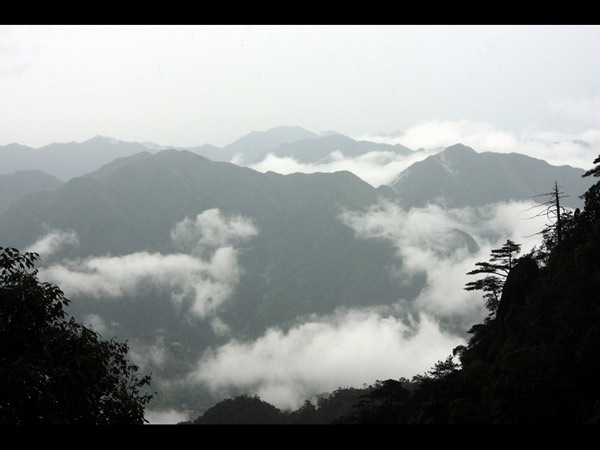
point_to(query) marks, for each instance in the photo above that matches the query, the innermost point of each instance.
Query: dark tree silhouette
(241, 410)
(52, 369)
(556, 214)
(502, 260)
(595, 171)
(592, 196)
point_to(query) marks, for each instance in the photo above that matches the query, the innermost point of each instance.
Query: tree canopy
(502, 260)
(54, 370)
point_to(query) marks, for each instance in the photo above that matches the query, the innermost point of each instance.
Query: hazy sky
(191, 85)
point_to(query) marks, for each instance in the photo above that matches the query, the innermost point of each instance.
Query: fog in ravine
(531, 90)
(322, 352)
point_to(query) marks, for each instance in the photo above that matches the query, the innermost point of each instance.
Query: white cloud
(211, 229)
(208, 283)
(52, 242)
(379, 167)
(376, 168)
(165, 416)
(577, 148)
(352, 347)
(208, 280)
(427, 243)
(348, 348)
(431, 134)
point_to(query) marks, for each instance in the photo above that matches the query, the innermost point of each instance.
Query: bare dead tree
(555, 212)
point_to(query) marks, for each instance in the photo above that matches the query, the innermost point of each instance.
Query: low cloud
(357, 346)
(207, 282)
(53, 241)
(348, 348)
(427, 242)
(376, 168)
(577, 148)
(166, 416)
(211, 230)
(207, 275)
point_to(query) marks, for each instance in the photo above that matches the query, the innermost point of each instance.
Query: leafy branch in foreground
(54, 370)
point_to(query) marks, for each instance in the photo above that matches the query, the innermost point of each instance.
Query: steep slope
(459, 176)
(303, 259)
(67, 160)
(73, 159)
(15, 186)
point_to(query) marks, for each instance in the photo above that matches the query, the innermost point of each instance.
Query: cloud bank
(376, 168)
(211, 230)
(427, 241)
(207, 274)
(348, 348)
(51, 242)
(356, 346)
(577, 149)
(165, 417)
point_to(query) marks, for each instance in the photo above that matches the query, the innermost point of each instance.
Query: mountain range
(243, 251)
(68, 160)
(19, 184)
(459, 176)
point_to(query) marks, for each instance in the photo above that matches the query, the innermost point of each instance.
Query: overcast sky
(191, 85)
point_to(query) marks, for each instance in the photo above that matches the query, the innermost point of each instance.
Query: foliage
(594, 171)
(537, 362)
(502, 260)
(245, 409)
(241, 410)
(53, 370)
(383, 403)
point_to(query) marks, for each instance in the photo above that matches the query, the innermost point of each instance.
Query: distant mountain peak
(459, 149)
(460, 176)
(103, 139)
(283, 133)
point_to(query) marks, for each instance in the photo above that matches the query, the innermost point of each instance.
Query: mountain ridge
(459, 176)
(302, 260)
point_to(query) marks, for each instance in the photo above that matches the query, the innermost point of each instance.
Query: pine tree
(501, 261)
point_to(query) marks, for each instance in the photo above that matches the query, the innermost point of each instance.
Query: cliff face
(518, 285)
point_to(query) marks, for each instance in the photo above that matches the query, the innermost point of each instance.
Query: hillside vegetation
(534, 360)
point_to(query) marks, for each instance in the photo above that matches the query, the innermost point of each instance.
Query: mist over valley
(299, 223)
(228, 279)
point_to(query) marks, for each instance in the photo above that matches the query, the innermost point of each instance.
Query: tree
(383, 403)
(54, 370)
(557, 214)
(502, 260)
(595, 171)
(444, 368)
(592, 196)
(241, 410)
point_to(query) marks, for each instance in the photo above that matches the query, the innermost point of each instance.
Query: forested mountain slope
(532, 361)
(17, 185)
(459, 176)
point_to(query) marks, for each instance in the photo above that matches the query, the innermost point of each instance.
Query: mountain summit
(459, 176)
